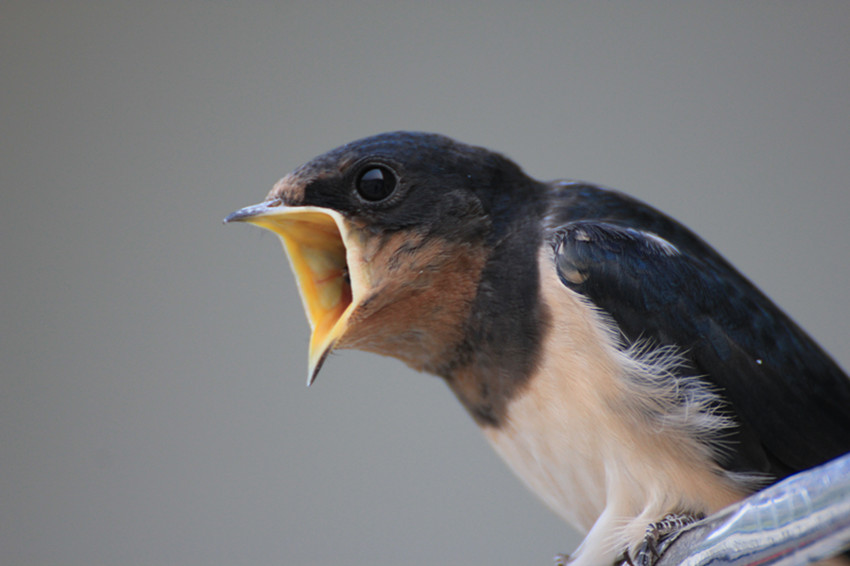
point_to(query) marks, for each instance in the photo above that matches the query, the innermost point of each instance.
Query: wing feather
(790, 399)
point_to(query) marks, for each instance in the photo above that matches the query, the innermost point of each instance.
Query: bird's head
(388, 237)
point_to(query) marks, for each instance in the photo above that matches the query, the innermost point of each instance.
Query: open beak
(313, 238)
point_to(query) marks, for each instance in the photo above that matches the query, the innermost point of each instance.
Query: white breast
(579, 436)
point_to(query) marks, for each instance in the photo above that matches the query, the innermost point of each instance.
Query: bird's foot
(565, 560)
(657, 538)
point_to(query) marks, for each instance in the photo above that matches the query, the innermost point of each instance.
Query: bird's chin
(313, 238)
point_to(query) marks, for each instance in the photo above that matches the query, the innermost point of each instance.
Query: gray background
(153, 408)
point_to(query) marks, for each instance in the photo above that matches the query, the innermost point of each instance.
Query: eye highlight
(376, 183)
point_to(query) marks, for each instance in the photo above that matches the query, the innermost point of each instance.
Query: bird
(622, 368)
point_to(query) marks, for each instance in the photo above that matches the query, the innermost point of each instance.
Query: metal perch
(801, 520)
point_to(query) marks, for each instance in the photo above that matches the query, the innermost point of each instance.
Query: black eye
(376, 183)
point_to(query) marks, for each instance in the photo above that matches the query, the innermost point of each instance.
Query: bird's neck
(501, 342)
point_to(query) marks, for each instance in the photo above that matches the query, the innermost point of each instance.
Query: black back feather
(661, 283)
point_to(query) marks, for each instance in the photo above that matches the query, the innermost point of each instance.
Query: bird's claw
(658, 537)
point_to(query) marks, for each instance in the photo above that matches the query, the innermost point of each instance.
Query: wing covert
(790, 398)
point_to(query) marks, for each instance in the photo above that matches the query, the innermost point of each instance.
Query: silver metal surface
(800, 520)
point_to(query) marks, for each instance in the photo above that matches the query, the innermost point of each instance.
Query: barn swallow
(620, 366)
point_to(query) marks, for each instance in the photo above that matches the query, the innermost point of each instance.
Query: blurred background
(152, 361)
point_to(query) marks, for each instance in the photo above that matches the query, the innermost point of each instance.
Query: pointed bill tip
(241, 214)
(315, 367)
(252, 211)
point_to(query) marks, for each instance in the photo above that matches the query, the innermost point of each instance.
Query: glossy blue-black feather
(659, 282)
